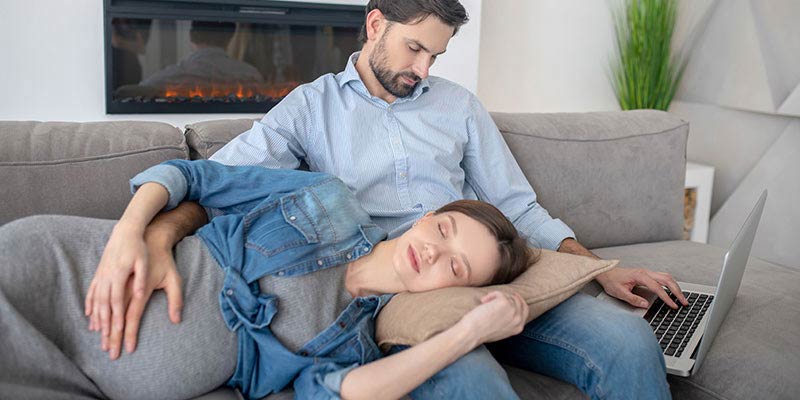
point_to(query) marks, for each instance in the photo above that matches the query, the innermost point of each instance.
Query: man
(407, 143)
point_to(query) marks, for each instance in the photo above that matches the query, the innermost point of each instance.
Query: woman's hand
(124, 257)
(129, 271)
(499, 316)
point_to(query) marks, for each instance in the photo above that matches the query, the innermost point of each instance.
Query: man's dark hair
(451, 12)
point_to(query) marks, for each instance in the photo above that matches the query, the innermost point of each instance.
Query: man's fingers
(140, 271)
(668, 281)
(174, 298)
(87, 306)
(635, 300)
(133, 318)
(656, 288)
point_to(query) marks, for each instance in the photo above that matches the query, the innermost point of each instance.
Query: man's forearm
(571, 246)
(170, 227)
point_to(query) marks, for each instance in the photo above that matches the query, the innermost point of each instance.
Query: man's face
(404, 53)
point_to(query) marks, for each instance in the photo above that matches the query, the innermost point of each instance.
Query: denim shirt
(283, 223)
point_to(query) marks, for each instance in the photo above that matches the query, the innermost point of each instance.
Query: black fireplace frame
(254, 11)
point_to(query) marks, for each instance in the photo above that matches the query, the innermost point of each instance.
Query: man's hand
(619, 282)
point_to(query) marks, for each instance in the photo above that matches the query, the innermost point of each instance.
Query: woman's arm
(498, 317)
(125, 252)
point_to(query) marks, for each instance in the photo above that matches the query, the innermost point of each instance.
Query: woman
(280, 240)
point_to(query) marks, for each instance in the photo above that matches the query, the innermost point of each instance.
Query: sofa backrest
(615, 178)
(78, 168)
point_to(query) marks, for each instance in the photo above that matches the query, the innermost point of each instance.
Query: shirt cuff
(550, 235)
(166, 175)
(333, 381)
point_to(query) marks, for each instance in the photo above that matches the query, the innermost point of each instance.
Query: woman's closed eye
(441, 230)
(453, 267)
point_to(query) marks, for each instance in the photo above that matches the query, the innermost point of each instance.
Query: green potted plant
(646, 72)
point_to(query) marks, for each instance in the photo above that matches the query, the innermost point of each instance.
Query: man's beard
(391, 81)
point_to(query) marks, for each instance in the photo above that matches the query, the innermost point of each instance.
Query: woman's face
(447, 249)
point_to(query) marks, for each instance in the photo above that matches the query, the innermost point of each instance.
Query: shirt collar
(350, 74)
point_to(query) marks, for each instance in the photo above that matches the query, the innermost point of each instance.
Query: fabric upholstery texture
(755, 354)
(614, 178)
(72, 169)
(78, 168)
(411, 318)
(206, 137)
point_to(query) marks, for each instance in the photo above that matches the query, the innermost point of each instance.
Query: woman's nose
(432, 252)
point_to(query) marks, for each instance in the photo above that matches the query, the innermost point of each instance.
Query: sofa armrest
(614, 177)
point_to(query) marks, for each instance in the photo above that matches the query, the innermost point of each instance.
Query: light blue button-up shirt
(403, 159)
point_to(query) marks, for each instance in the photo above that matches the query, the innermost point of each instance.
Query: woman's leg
(46, 265)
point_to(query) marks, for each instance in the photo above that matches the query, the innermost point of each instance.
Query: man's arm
(619, 282)
(488, 156)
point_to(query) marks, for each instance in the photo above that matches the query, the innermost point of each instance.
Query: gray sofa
(616, 178)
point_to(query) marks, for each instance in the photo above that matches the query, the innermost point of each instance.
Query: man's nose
(421, 67)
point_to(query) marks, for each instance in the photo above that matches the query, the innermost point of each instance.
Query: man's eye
(413, 49)
(441, 231)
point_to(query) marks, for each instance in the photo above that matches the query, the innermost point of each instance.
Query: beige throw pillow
(411, 318)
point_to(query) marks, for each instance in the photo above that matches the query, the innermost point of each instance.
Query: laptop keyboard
(674, 328)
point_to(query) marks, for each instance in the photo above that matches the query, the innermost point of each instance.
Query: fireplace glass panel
(224, 65)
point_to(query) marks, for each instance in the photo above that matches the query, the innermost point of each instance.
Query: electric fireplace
(220, 56)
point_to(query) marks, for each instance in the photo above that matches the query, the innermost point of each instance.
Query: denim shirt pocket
(279, 226)
(358, 348)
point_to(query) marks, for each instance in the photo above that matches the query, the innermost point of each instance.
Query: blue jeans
(605, 352)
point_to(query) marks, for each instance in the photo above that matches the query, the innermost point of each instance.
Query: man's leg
(476, 375)
(607, 353)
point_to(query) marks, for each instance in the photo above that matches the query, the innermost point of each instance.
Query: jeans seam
(569, 347)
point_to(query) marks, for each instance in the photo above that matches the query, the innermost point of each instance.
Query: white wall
(52, 62)
(546, 56)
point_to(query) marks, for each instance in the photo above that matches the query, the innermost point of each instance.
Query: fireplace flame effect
(242, 92)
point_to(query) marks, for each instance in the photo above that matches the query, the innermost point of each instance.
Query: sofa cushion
(206, 137)
(78, 168)
(411, 318)
(615, 178)
(755, 353)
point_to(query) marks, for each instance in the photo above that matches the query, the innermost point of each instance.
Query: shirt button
(402, 174)
(341, 324)
(292, 218)
(229, 292)
(349, 256)
(319, 262)
(366, 248)
(281, 273)
(397, 142)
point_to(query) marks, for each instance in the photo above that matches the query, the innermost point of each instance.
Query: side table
(700, 178)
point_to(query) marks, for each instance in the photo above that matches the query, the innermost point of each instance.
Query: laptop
(687, 333)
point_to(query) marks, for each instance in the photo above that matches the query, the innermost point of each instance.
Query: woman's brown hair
(515, 255)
